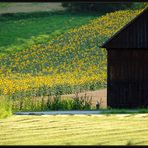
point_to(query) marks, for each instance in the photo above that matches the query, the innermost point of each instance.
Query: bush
(5, 107)
(28, 104)
(81, 103)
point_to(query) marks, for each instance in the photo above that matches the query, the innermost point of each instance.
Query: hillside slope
(21, 30)
(70, 60)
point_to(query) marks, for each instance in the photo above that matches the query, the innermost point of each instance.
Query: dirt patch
(98, 95)
(30, 7)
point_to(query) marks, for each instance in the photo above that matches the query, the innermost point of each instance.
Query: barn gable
(133, 35)
(127, 69)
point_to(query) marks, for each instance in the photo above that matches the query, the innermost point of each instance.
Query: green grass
(19, 27)
(5, 107)
(51, 103)
(126, 129)
(3, 5)
(124, 111)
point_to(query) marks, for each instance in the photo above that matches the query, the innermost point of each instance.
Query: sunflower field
(68, 63)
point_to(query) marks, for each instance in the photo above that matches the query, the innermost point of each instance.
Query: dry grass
(75, 130)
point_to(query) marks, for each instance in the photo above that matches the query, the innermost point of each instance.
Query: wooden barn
(127, 61)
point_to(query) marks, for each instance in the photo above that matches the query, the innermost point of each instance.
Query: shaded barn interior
(127, 53)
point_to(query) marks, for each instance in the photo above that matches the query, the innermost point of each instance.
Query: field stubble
(74, 130)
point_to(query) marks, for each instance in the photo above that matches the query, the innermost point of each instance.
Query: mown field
(129, 129)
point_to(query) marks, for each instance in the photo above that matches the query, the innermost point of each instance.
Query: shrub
(81, 103)
(46, 103)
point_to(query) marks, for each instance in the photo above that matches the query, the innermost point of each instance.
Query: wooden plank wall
(127, 78)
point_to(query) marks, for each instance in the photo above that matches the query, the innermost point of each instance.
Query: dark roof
(132, 35)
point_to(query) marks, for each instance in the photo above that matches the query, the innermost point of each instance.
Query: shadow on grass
(124, 111)
(28, 15)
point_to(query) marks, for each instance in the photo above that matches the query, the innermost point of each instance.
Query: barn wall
(127, 78)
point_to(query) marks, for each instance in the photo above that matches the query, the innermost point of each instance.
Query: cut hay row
(74, 130)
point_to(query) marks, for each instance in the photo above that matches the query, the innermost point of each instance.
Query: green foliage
(29, 104)
(57, 90)
(110, 110)
(55, 103)
(5, 107)
(46, 103)
(2, 5)
(81, 103)
(143, 110)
